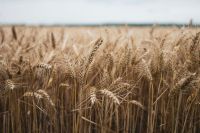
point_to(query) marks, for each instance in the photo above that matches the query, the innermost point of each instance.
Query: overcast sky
(98, 11)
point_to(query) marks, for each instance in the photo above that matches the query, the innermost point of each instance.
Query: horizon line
(103, 24)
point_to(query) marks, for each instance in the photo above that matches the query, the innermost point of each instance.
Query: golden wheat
(62, 79)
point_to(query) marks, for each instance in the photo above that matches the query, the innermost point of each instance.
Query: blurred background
(96, 12)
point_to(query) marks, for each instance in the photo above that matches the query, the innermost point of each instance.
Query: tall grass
(99, 80)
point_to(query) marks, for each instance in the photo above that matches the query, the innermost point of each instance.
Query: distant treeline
(110, 24)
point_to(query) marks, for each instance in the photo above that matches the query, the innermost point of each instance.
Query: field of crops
(99, 79)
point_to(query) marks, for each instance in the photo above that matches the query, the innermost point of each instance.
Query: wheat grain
(9, 85)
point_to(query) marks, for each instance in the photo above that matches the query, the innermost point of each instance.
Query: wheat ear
(111, 95)
(93, 52)
(39, 94)
(93, 97)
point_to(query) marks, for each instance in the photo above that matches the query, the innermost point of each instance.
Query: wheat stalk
(53, 40)
(2, 36)
(14, 32)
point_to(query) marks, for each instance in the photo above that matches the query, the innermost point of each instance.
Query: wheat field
(99, 79)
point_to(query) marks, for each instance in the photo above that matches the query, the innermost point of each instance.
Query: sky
(98, 11)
